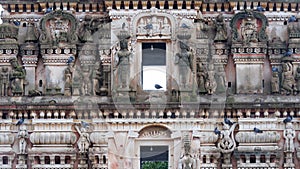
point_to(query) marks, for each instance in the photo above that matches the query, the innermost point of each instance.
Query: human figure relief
(221, 32)
(23, 136)
(289, 135)
(288, 81)
(123, 64)
(4, 81)
(184, 60)
(68, 74)
(249, 29)
(187, 161)
(297, 78)
(210, 83)
(83, 142)
(17, 77)
(201, 77)
(275, 82)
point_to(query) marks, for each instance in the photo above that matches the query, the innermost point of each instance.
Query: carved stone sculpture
(83, 142)
(123, 65)
(4, 81)
(289, 135)
(201, 77)
(85, 31)
(297, 78)
(184, 60)
(221, 32)
(23, 136)
(68, 79)
(210, 83)
(275, 82)
(249, 29)
(187, 161)
(17, 77)
(288, 81)
(227, 143)
(97, 79)
(86, 86)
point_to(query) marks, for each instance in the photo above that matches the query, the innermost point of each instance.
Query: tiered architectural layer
(73, 87)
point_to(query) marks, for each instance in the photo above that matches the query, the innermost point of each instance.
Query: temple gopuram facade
(150, 84)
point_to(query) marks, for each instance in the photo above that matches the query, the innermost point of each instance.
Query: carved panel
(58, 26)
(153, 23)
(155, 132)
(6, 138)
(99, 138)
(249, 26)
(208, 138)
(251, 137)
(53, 138)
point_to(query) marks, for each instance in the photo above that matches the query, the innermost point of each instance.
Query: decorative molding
(251, 137)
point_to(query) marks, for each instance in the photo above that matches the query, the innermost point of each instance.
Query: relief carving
(123, 61)
(184, 59)
(187, 161)
(289, 135)
(154, 132)
(58, 27)
(249, 26)
(17, 78)
(288, 82)
(221, 30)
(251, 137)
(23, 136)
(84, 141)
(4, 81)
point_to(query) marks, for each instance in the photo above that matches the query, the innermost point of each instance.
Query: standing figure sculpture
(289, 135)
(123, 65)
(297, 78)
(97, 79)
(23, 136)
(68, 74)
(17, 78)
(201, 77)
(187, 161)
(275, 82)
(221, 32)
(85, 31)
(86, 86)
(4, 81)
(210, 83)
(83, 142)
(288, 81)
(184, 60)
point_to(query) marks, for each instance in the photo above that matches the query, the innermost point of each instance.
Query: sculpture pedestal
(22, 161)
(83, 161)
(289, 164)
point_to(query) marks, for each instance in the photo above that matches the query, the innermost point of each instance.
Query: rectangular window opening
(154, 73)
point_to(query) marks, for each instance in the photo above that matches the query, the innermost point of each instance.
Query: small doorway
(154, 157)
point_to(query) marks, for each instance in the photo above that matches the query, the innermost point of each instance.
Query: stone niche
(249, 47)
(58, 40)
